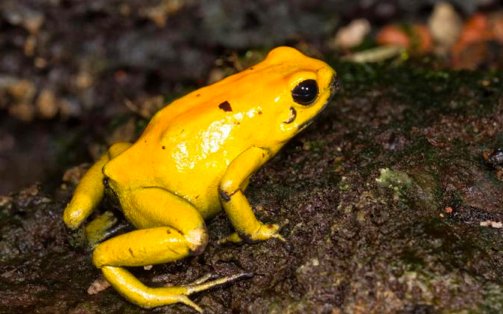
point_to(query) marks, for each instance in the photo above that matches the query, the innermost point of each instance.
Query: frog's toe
(279, 237)
(202, 283)
(232, 238)
(266, 231)
(203, 279)
(185, 300)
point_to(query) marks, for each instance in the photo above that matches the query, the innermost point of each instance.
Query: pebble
(445, 26)
(352, 35)
(22, 111)
(47, 106)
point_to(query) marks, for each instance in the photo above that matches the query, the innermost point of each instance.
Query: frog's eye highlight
(305, 92)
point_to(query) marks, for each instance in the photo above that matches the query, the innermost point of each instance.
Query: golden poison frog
(194, 159)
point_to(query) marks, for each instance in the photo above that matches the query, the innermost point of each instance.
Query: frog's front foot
(100, 228)
(264, 232)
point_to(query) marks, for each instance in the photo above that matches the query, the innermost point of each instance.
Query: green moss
(397, 181)
(443, 91)
(493, 299)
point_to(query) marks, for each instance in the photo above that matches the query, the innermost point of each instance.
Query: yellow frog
(195, 158)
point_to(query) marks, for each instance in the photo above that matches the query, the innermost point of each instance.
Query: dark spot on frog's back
(225, 106)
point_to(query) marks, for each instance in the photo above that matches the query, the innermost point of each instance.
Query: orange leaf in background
(415, 38)
(475, 30)
(472, 46)
(496, 24)
(392, 35)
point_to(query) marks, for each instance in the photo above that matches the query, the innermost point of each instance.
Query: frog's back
(186, 147)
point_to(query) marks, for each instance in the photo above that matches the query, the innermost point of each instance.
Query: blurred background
(76, 76)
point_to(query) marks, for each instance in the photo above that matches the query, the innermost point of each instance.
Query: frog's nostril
(335, 84)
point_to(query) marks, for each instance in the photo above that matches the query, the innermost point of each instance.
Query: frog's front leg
(171, 229)
(90, 189)
(234, 201)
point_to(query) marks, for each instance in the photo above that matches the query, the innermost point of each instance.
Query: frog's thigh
(89, 191)
(150, 207)
(142, 247)
(183, 234)
(170, 229)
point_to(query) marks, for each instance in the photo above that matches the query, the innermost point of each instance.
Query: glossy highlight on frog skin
(193, 160)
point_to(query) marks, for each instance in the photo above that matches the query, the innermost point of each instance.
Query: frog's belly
(205, 201)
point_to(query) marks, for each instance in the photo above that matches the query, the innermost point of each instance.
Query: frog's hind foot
(208, 281)
(130, 287)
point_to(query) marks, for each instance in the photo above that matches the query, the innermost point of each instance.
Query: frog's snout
(335, 84)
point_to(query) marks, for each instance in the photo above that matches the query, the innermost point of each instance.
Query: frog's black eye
(305, 92)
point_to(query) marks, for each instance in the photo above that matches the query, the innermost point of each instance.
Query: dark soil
(392, 199)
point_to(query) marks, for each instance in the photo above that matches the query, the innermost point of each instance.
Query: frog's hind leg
(171, 230)
(89, 191)
(131, 288)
